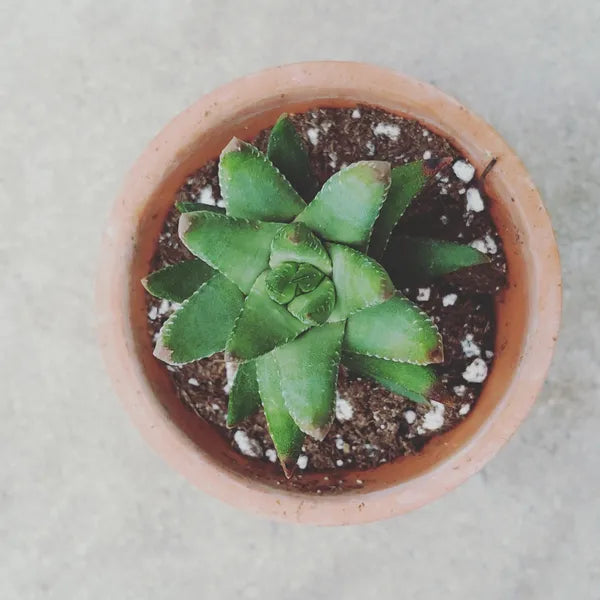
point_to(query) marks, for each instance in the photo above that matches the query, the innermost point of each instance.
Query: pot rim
(416, 100)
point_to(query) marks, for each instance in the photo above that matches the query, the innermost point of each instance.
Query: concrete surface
(87, 511)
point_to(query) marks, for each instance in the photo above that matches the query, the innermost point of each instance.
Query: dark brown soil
(372, 425)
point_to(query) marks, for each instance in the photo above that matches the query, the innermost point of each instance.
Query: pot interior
(513, 306)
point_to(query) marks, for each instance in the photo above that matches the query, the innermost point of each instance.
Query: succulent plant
(287, 281)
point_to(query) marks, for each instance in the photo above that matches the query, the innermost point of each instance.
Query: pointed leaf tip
(308, 370)
(396, 330)
(236, 247)
(346, 207)
(407, 181)
(253, 188)
(203, 323)
(287, 151)
(359, 281)
(415, 259)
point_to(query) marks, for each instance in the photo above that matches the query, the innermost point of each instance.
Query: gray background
(86, 509)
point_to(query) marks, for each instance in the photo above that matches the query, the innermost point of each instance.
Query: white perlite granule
(356, 114)
(459, 390)
(464, 409)
(164, 307)
(469, 347)
(313, 135)
(434, 419)
(489, 354)
(302, 461)
(449, 300)
(343, 409)
(230, 370)
(474, 200)
(153, 313)
(193, 381)
(339, 462)
(388, 129)
(463, 170)
(370, 148)
(332, 159)
(410, 416)
(326, 126)
(486, 245)
(424, 294)
(427, 155)
(206, 196)
(247, 446)
(271, 454)
(476, 372)
(339, 443)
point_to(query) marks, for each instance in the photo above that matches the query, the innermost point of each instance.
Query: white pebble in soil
(410, 416)
(434, 419)
(489, 354)
(449, 300)
(388, 129)
(476, 372)
(302, 461)
(427, 155)
(424, 294)
(313, 135)
(464, 409)
(469, 347)
(153, 313)
(193, 381)
(474, 200)
(486, 245)
(247, 445)
(339, 462)
(231, 371)
(356, 114)
(459, 390)
(343, 409)
(271, 454)
(206, 196)
(463, 170)
(165, 307)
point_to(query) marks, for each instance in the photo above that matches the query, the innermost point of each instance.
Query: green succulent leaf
(314, 307)
(185, 207)
(415, 382)
(288, 153)
(414, 259)
(253, 188)
(280, 283)
(307, 277)
(244, 399)
(262, 325)
(407, 182)
(359, 281)
(346, 207)
(286, 435)
(395, 330)
(297, 243)
(308, 369)
(179, 281)
(203, 323)
(236, 247)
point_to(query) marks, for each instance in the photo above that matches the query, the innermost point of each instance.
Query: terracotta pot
(528, 311)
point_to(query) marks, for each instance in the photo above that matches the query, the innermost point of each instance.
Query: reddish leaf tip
(234, 145)
(431, 166)
(162, 352)
(288, 466)
(436, 355)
